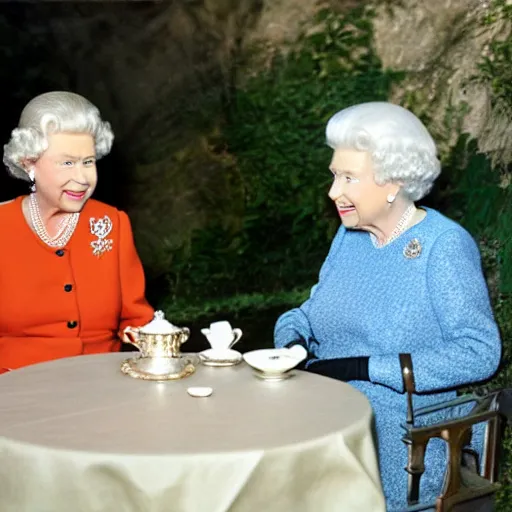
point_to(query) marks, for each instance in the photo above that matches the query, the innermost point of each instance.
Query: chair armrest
(409, 384)
(480, 412)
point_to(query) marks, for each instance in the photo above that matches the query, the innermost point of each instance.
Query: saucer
(273, 377)
(227, 357)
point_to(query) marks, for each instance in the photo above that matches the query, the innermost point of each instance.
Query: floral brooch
(101, 228)
(412, 249)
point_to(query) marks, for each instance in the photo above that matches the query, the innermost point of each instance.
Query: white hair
(401, 148)
(54, 112)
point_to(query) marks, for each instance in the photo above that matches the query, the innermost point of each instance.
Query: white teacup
(221, 336)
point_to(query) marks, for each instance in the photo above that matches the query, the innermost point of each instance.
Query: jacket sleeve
(294, 324)
(470, 348)
(135, 310)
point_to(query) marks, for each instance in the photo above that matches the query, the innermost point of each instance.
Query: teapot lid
(159, 325)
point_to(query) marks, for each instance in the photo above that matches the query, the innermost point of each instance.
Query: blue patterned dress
(377, 302)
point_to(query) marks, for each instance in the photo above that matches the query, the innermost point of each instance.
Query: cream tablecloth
(76, 435)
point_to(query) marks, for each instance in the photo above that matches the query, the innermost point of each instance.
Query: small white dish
(200, 392)
(274, 361)
(213, 357)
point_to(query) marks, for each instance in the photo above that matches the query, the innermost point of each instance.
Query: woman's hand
(301, 342)
(126, 335)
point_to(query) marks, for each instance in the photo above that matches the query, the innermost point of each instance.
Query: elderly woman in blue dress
(398, 278)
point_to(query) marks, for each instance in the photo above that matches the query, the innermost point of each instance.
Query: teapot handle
(185, 334)
(131, 335)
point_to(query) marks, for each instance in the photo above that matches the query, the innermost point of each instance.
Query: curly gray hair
(53, 112)
(401, 148)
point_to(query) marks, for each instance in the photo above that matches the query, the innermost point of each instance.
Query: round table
(78, 435)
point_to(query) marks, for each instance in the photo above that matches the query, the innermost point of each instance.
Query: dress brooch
(412, 249)
(101, 228)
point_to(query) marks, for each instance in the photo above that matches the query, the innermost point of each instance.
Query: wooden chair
(466, 488)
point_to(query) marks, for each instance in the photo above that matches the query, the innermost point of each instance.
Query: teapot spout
(206, 332)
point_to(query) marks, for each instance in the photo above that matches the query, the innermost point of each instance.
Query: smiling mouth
(75, 195)
(344, 210)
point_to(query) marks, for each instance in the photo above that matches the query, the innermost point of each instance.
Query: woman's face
(65, 173)
(360, 201)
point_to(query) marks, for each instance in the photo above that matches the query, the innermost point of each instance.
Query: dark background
(219, 109)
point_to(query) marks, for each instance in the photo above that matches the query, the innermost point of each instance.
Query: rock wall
(439, 44)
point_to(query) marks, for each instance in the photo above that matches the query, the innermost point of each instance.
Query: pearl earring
(390, 198)
(32, 178)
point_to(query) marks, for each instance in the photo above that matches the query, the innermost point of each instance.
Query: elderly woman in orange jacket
(70, 276)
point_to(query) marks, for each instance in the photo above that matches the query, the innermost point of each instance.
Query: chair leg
(415, 468)
(455, 442)
(491, 448)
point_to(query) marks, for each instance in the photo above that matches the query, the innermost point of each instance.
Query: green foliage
(503, 312)
(473, 194)
(184, 310)
(276, 131)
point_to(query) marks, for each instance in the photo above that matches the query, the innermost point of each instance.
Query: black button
(68, 287)
(72, 325)
(60, 252)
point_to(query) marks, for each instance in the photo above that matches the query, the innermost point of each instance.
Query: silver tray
(159, 368)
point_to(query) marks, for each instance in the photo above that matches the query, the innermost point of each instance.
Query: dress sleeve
(135, 310)
(294, 324)
(470, 348)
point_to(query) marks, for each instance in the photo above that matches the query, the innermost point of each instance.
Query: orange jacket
(64, 303)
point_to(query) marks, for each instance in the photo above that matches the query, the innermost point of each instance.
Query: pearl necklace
(399, 229)
(65, 229)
